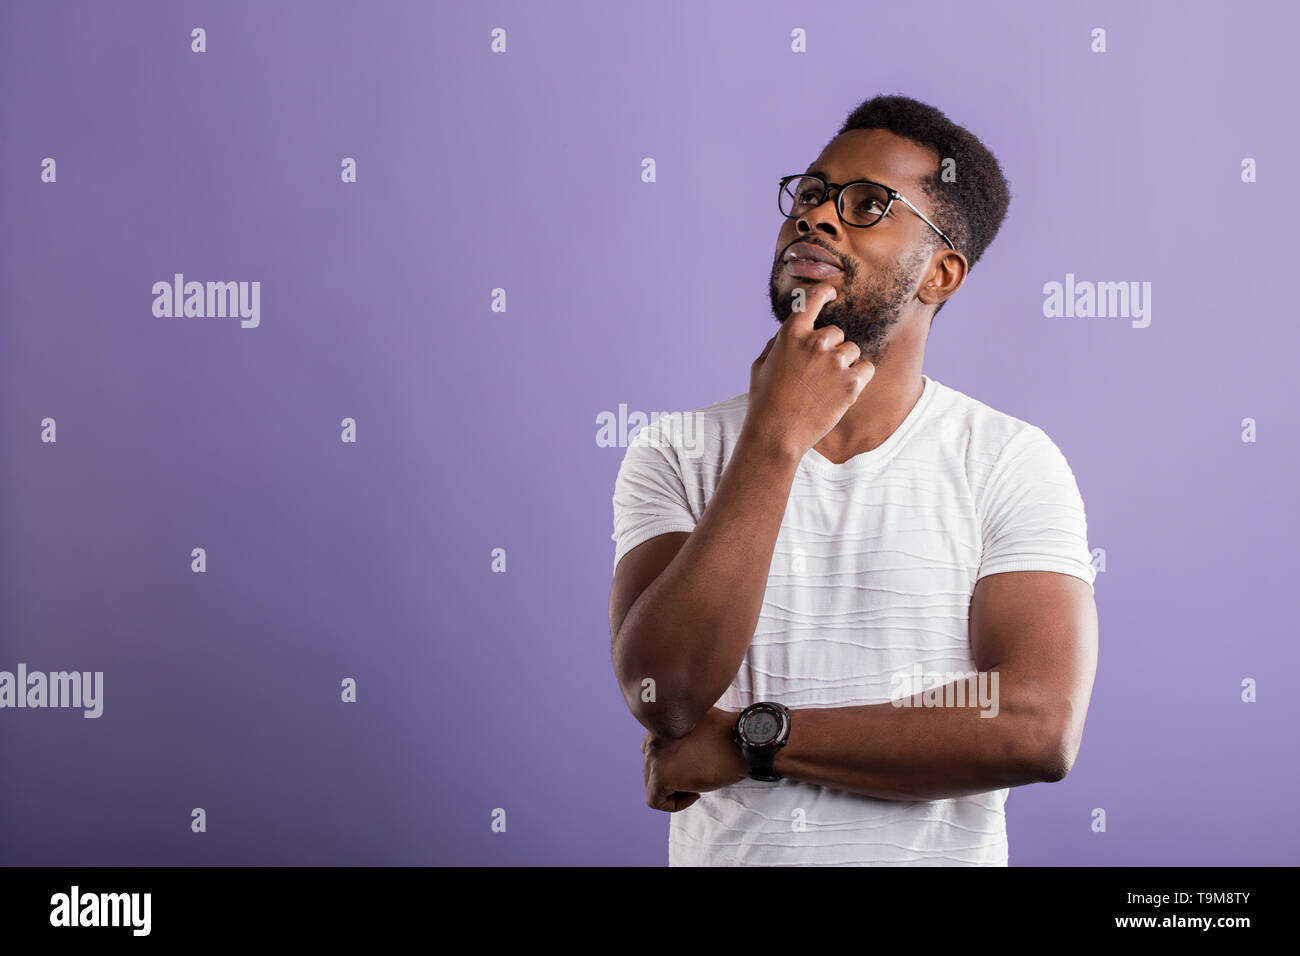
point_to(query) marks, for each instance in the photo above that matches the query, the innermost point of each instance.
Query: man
(872, 539)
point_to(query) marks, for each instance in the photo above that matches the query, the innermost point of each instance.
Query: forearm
(925, 752)
(689, 630)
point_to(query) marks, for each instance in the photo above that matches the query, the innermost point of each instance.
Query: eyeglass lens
(863, 203)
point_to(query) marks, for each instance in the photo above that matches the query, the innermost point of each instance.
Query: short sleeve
(1033, 516)
(649, 493)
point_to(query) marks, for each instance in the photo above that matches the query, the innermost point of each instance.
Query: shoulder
(696, 433)
(991, 445)
(989, 434)
(987, 430)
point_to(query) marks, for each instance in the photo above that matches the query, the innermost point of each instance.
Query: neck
(881, 407)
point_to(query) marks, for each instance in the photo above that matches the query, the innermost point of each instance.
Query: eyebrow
(823, 174)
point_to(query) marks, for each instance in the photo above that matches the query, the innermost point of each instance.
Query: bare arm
(682, 615)
(1037, 630)
(690, 627)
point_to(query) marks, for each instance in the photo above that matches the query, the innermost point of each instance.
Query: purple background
(477, 429)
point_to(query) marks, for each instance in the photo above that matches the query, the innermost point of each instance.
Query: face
(882, 266)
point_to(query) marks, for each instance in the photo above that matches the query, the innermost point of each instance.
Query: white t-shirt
(871, 577)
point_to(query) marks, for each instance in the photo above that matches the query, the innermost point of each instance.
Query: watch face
(762, 727)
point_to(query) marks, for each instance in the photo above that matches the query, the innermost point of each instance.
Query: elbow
(673, 725)
(1053, 757)
(671, 716)
(1048, 732)
(1055, 765)
(668, 719)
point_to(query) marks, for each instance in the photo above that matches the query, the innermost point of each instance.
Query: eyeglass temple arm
(926, 221)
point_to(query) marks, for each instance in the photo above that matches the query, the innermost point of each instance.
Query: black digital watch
(761, 730)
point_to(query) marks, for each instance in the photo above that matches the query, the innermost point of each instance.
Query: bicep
(637, 571)
(1038, 629)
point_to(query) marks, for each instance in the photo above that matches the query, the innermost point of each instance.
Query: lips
(810, 269)
(806, 252)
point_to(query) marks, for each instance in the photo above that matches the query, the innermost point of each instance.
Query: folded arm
(1037, 632)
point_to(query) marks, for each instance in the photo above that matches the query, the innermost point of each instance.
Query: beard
(865, 310)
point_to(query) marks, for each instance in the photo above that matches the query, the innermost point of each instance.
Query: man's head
(896, 275)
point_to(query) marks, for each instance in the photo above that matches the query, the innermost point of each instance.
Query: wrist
(732, 767)
(769, 446)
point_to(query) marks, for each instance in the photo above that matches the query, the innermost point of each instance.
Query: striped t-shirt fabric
(871, 576)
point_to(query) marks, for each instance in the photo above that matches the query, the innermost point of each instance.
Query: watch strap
(761, 762)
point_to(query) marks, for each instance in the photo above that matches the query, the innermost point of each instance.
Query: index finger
(815, 297)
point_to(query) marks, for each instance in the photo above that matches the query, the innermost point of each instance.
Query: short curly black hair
(970, 209)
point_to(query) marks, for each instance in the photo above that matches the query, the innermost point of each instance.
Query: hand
(708, 758)
(805, 379)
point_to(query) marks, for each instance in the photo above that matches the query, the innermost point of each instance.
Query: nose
(824, 217)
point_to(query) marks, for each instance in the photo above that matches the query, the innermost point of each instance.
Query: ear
(946, 274)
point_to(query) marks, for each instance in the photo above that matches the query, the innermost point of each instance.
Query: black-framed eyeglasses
(861, 203)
